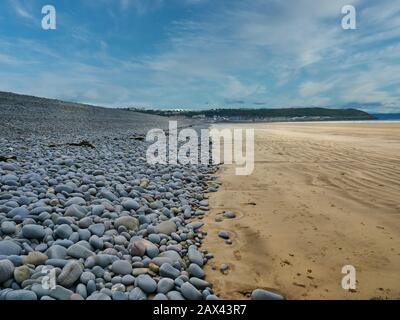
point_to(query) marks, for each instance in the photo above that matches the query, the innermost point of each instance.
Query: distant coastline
(266, 115)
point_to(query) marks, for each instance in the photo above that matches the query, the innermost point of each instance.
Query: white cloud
(283, 53)
(23, 10)
(311, 88)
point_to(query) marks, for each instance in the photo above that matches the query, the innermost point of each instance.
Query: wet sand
(322, 195)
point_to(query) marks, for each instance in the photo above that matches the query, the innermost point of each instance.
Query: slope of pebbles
(94, 221)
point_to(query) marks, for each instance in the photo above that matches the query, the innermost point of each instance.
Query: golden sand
(322, 195)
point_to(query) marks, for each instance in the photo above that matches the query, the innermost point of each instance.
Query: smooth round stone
(76, 297)
(190, 292)
(261, 294)
(121, 267)
(128, 280)
(130, 223)
(64, 220)
(63, 188)
(165, 285)
(39, 210)
(171, 255)
(16, 260)
(166, 270)
(21, 274)
(119, 296)
(98, 271)
(11, 183)
(20, 211)
(153, 267)
(106, 291)
(91, 287)
(33, 231)
(118, 287)
(166, 227)
(102, 260)
(195, 256)
(98, 210)
(63, 231)
(223, 234)
(76, 211)
(176, 237)
(195, 225)
(160, 296)
(106, 194)
(9, 167)
(229, 214)
(63, 242)
(44, 216)
(120, 240)
(137, 294)
(74, 237)
(175, 295)
(199, 283)
(27, 247)
(8, 227)
(87, 276)
(96, 242)
(41, 247)
(85, 223)
(84, 234)
(81, 290)
(195, 270)
(223, 268)
(56, 252)
(180, 280)
(137, 248)
(70, 274)
(36, 258)
(146, 283)
(154, 237)
(152, 251)
(117, 279)
(136, 260)
(130, 205)
(60, 293)
(6, 270)
(108, 276)
(99, 296)
(24, 201)
(97, 229)
(21, 295)
(212, 297)
(79, 251)
(75, 201)
(58, 263)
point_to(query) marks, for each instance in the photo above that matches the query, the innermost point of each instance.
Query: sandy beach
(322, 195)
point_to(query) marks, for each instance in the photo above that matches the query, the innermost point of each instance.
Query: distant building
(199, 116)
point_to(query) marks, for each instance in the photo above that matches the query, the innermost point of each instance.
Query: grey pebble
(261, 294)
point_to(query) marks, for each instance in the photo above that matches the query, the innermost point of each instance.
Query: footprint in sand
(238, 255)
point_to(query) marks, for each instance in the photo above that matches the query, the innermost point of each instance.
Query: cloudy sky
(202, 53)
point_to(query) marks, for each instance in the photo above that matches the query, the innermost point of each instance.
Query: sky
(198, 54)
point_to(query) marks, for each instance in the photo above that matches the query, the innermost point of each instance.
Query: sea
(386, 116)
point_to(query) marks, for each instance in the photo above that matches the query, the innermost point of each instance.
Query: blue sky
(202, 53)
